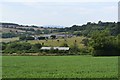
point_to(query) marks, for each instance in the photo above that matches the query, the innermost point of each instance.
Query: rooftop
(59, 48)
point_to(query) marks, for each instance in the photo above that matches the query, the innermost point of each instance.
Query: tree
(26, 38)
(41, 38)
(58, 41)
(22, 37)
(17, 47)
(118, 28)
(85, 41)
(9, 35)
(38, 32)
(30, 38)
(51, 50)
(78, 33)
(3, 45)
(53, 36)
(103, 43)
(74, 49)
(46, 31)
(38, 45)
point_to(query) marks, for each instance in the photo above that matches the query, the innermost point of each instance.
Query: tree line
(88, 28)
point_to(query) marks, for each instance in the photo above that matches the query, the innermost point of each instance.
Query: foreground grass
(59, 67)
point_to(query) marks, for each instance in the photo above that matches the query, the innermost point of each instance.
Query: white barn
(59, 48)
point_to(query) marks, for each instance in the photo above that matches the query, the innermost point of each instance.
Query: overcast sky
(58, 13)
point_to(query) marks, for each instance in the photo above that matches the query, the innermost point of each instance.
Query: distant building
(59, 48)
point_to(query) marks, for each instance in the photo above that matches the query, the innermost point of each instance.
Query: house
(55, 48)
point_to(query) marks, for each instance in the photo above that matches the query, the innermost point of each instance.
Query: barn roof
(59, 48)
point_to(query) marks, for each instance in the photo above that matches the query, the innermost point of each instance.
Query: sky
(58, 13)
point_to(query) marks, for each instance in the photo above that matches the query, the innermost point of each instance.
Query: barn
(55, 48)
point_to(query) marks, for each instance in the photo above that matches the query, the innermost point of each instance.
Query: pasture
(50, 42)
(54, 42)
(59, 67)
(9, 39)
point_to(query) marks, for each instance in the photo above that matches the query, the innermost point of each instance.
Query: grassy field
(49, 42)
(9, 39)
(69, 41)
(59, 67)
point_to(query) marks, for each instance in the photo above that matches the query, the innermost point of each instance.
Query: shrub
(85, 41)
(53, 36)
(15, 47)
(26, 38)
(3, 45)
(74, 49)
(64, 45)
(8, 35)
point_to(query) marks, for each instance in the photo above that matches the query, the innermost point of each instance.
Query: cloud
(111, 8)
(43, 13)
(60, 0)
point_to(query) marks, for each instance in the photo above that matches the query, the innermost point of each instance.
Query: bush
(26, 38)
(30, 38)
(8, 35)
(3, 45)
(53, 36)
(64, 45)
(14, 47)
(37, 45)
(74, 49)
(41, 38)
(85, 41)
(22, 38)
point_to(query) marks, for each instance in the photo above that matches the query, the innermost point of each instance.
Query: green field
(59, 67)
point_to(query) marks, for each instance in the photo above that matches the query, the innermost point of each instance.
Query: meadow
(9, 39)
(59, 67)
(50, 42)
(54, 42)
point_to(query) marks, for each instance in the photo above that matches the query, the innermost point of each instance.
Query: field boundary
(60, 79)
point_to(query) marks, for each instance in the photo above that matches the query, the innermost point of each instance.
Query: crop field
(69, 41)
(59, 67)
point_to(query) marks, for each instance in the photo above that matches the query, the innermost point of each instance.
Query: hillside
(10, 30)
(84, 29)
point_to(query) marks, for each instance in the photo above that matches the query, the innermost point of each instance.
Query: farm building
(59, 48)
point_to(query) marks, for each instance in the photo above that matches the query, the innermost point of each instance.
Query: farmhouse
(59, 48)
